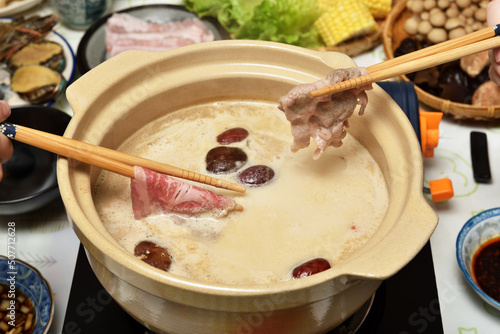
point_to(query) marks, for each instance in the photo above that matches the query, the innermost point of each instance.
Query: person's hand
(5, 143)
(493, 18)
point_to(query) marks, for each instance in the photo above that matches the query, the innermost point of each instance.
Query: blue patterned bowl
(474, 233)
(31, 282)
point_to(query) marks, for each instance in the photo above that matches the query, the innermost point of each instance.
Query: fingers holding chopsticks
(105, 158)
(5, 144)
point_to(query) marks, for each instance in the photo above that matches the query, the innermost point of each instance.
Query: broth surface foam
(313, 208)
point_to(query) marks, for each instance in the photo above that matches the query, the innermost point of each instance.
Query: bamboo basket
(392, 35)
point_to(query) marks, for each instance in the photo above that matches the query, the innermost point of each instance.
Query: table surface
(46, 240)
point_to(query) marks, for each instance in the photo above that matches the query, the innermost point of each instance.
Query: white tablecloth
(46, 239)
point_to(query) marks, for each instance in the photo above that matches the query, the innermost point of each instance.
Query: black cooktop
(406, 303)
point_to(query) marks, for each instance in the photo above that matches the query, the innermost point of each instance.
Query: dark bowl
(92, 48)
(30, 180)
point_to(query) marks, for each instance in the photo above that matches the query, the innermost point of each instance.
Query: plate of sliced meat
(150, 27)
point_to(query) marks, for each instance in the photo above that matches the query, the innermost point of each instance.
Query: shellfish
(21, 31)
(45, 53)
(37, 83)
(33, 62)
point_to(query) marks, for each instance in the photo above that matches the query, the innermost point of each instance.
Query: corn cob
(345, 19)
(379, 8)
(324, 5)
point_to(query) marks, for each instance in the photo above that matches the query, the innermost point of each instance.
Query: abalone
(45, 53)
(36, 83)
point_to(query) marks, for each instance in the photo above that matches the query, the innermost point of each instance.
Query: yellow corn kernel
(324, 5)
(379, 8)
(345, 19)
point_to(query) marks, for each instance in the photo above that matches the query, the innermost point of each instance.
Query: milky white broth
(313, 208)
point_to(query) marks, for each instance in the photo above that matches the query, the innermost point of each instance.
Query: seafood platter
(36, 62)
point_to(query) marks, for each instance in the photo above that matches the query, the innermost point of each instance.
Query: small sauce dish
(26, 298)
(476, 243)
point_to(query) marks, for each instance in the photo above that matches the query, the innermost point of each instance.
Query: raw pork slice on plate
(126, 32)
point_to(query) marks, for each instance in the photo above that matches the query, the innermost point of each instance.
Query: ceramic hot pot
(134, 88)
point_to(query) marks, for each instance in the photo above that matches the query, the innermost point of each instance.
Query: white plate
(68, 72)
(18, 6)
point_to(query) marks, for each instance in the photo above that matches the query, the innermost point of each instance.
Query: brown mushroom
(437, 35)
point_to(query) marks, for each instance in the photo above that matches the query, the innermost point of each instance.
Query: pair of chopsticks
(105, 158)
(453, 49)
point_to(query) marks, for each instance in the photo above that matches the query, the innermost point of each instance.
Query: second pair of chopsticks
(108, 159)
(441, 53)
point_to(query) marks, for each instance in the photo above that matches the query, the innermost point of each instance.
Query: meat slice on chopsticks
(323, 118)
(154, 193)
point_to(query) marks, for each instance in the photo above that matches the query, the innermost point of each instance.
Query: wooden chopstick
(420, 60)
(105, 158)
(473, 37)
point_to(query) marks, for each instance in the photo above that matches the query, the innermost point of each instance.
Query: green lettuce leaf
(286, 21)
(231, 14)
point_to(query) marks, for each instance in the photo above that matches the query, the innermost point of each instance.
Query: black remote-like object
(479, 155)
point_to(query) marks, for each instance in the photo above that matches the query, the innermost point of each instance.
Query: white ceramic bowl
(474, 233)
(121, 95)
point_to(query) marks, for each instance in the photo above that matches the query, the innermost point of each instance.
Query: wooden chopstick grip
(105, 158)
(353, 83)
(411, 66)
(23, 135)
(473, 37)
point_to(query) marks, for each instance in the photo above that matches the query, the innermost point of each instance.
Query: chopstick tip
(319, 92)
(239, 188)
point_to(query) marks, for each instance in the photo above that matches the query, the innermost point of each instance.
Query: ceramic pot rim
(420, 217)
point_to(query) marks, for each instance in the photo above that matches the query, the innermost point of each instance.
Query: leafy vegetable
(286, 21)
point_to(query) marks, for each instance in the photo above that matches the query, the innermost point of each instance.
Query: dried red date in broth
(222, 159)
(310, 267)
(153, 255)
(257, 175)
(233, 135)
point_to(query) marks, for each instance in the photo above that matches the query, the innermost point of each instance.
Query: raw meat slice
(323, 118)
(126, 32)
(154, 193)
